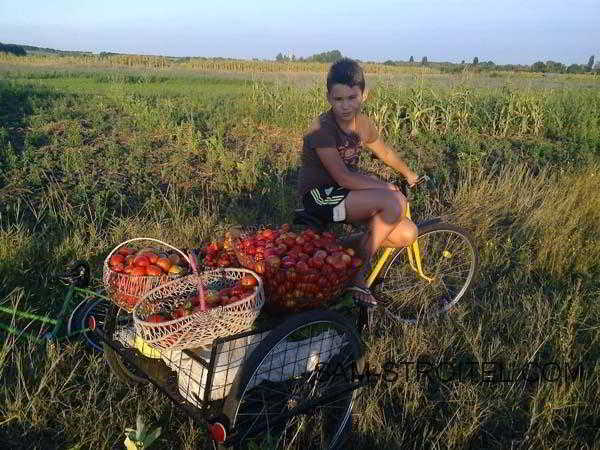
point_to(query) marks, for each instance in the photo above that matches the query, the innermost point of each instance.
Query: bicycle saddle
(301, 217)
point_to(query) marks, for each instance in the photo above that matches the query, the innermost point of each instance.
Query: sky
(503, 31)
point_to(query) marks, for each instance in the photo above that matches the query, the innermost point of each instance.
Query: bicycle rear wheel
(448, 257)
(79, 320)
(283, 399)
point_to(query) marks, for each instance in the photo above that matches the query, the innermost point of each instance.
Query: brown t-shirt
(326, 133)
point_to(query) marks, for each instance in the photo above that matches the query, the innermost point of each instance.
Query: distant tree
(555, 67)
(538, 66)
(279, 57)
(330, 56)
(576, 68)
(424, 61)
(389, 62)
(411, 59)
(590, 64)
(16, 50)
(462, 62)
(475, 61)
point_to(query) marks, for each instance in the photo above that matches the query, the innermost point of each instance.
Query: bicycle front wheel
(449, 262)
(297, 388)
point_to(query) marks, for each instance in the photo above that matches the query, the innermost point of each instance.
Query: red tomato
(224, 261)
(302, 267)
(259, 267)
(138, 270)
(126, 251)
(164, 263)
(141, 261)
(152, 257)
(153, 270)
(156, 318)
(116, 259)
(248, 281)
(274, 262)
(180, 312)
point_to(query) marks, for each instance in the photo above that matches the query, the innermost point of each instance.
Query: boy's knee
(410, 231)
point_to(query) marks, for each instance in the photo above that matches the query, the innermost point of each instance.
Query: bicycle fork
(414, 258)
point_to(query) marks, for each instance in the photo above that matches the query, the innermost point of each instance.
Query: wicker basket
(127, 290)
(203, 327)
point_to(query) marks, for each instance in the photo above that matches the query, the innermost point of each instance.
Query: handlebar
(406, 189)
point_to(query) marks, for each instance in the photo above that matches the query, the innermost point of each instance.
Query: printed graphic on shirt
(349, 149)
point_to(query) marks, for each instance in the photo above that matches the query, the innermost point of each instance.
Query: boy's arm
(391, 158)
(333, 163)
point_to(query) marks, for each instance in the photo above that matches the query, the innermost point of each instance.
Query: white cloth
(291, 359)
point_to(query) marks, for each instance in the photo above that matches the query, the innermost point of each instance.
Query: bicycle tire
(406, 297)
(121, 368)
(292, 407)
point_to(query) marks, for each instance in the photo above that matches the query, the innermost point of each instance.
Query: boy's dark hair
(346, 71)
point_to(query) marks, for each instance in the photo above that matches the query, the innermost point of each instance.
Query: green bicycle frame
(57, 323)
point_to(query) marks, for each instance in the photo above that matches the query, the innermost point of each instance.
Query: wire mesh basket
(301, 286)
(201, 327)
(125, 289)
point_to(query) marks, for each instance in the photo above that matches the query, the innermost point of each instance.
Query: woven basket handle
(153, 240)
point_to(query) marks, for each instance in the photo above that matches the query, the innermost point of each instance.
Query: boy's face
(345, 101)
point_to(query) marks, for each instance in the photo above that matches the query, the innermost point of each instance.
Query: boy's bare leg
(402, 236)
(383, 210)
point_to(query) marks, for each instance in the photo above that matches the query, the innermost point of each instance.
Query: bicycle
(64, 326)
(246, 388)
(407, 282)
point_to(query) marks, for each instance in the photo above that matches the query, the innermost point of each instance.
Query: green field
(92, 156)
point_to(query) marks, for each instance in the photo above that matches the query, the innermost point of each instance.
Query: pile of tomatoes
(132, 273)
(241, 290)
(218, 254)
(301, 270)
(147, 262)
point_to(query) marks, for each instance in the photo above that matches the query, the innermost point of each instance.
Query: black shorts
(328, 203)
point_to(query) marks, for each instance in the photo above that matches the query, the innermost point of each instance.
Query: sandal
(360, 298)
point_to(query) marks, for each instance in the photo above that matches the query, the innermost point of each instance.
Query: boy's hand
(412, 178)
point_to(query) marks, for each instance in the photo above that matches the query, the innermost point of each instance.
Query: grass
(90, 158)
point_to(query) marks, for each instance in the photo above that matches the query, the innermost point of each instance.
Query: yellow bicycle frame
(414, 258)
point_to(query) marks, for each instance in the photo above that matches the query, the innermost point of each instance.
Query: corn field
(199, 64)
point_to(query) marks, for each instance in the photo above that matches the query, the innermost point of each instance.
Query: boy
(329, 184)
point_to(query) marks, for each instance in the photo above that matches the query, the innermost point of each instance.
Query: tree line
(13, 49)
(334, 55)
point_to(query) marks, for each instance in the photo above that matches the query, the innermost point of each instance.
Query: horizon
(449, 31)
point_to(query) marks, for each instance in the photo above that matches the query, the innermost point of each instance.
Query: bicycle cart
(292, 383)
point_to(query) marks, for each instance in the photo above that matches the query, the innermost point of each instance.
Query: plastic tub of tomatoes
(194, 310)
(301, 270)
(131, 269)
